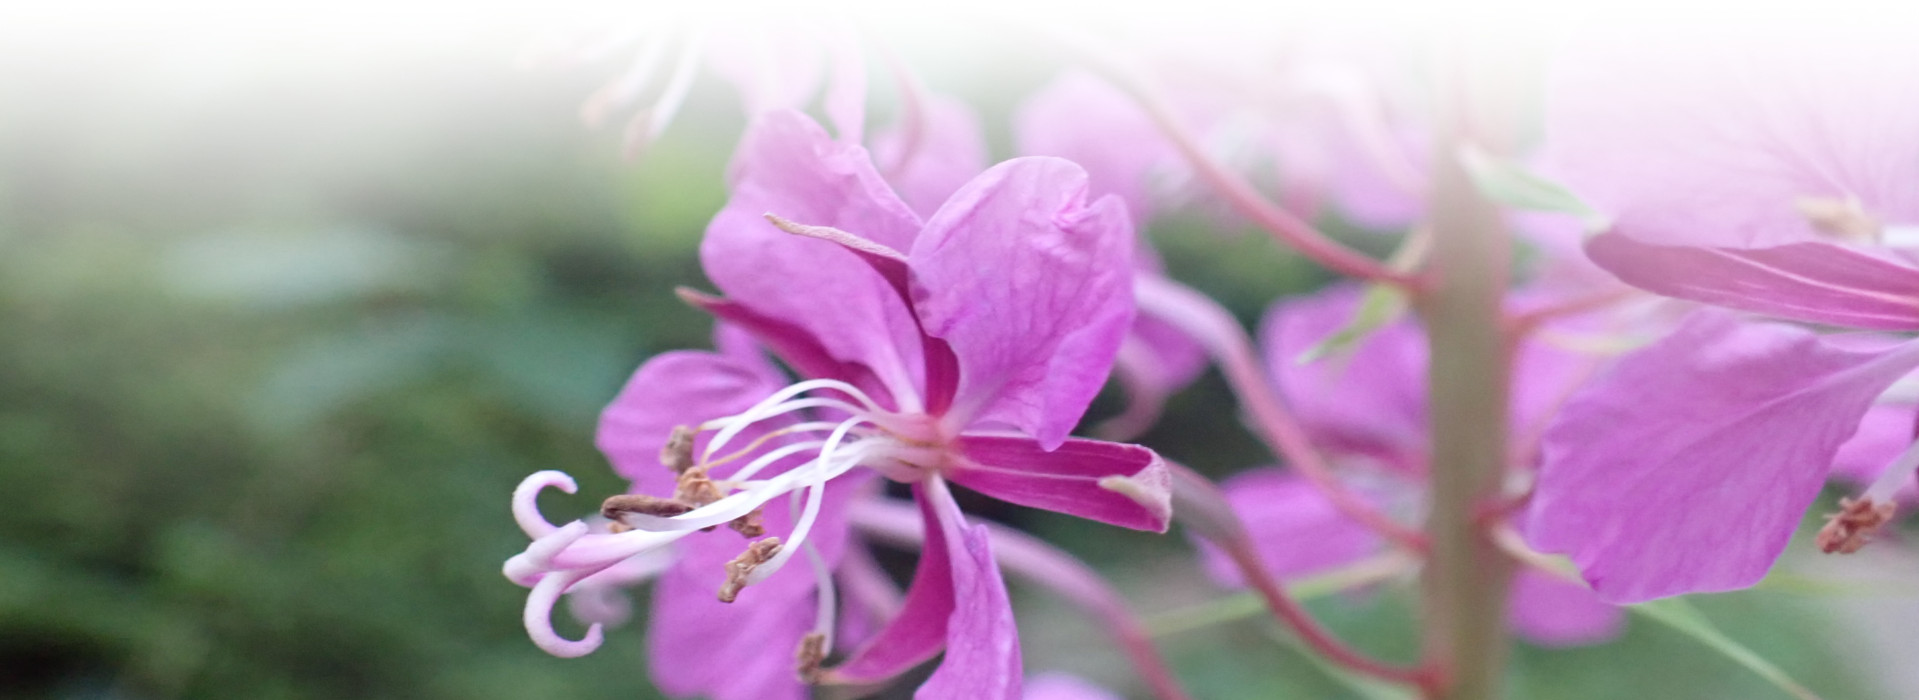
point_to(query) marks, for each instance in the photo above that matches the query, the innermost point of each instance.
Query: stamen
(646, 126)
(526, 508)
(1844, 218)
(695, 488)
(616, 508)
(808, 427)
(629, 85)
(739, 423)
(827, 613)
(750, 525)
(775, 404)
(1848, 530)
(810, 656)
(742, 566)
(677, 453)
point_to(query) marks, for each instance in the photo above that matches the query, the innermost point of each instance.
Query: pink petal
(1035, 337)
(1017, 469)
(699, 646)
(1709, 138)
(1688, 465)
(1550, 611)
(946, 151)
(788, 166)
(1816, 281)
(1155, 361)
(684, 387)
(1297, 530)
(791, 343)
(1886, 431)
(1371, 400)
(1085, 120)
(919, 631)
(982, 643)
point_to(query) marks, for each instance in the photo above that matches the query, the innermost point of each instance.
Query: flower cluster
(1709, 326)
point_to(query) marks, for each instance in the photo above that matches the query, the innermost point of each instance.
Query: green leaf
(1509, 184)
(1682, 616)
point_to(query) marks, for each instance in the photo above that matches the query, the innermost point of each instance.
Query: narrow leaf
(1682, 616)
(1507, 183)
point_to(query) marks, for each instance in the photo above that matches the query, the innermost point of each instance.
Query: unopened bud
(1853, 526)
(743, 565)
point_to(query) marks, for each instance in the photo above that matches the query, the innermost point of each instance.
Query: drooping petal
(1017, 469)
(982, 643)
(1034, 337)
(1714, 139)
(1554, 612)
(929, 162)
(1297, 530)
(1686, 467)
(1814, 281)
(788, 166)
(683, 387)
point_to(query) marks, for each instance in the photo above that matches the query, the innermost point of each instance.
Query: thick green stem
(1467, 576)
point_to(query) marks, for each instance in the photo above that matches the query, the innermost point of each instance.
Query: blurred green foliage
(274, 350)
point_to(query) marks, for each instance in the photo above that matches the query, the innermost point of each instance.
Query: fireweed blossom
(1777, 175)
(965, 359)
(1368, 411)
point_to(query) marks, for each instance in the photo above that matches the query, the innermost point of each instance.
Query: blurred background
(289, 303)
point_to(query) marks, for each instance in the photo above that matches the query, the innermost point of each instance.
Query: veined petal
(1713, 139)
(982, 643)
(1550, 611)
(1017, 469)
(1032, 287)
(1814, 281)
(683, 387)
(1886, 431)
(1687, 466)
(788, 166)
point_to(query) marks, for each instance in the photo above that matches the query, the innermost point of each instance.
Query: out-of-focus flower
(1368, 410)
(918, 365)
(1776, 174)
(1060, 686)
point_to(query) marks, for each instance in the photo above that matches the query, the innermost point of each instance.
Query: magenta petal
(677, 388)
(1554, 612)
(788, 166)
(1017, 469)
(1296, 529)
(982, 643)
(791, 343)
(919, 630)
(1371, 400)
(699, 646)
(1687, 466)
(1817, 282)
(1034, 339)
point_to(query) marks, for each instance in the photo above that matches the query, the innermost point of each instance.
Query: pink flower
(1368, 410)
(967, 358)
(1776, 174)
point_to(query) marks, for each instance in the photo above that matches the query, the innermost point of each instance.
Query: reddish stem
(1289, 229)
(1201, 318)
(1200, 505)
